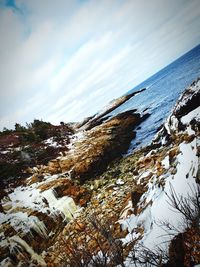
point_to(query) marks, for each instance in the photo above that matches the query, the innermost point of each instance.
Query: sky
(64, 60)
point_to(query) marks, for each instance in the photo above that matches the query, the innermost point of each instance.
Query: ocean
(162, 92)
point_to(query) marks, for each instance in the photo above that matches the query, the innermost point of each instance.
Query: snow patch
(194, 114)
(119, 182)
(165, 162)
(156, 202)
(51, 142)
(182, 182)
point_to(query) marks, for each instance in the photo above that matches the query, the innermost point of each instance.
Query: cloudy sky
(62, 60)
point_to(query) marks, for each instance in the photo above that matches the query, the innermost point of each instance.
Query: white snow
(5, 152)
(27, 196)
(173, 123)
(75, 138)
(130, 238)
(160, 210)
(166, 125)
(31, 197)
(23, 199)
(183, 182)
(165, 162)
(185, 97)
(152, 193)
(79, 135)
(143, 175)
(193, 114)
(51, 142)
(17, 206)
(119, 182)
(190, 131)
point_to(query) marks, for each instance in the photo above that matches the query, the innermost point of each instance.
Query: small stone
(174, 171)
(79, 226)
(119, 182)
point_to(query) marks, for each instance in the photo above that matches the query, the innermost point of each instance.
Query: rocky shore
(97, 147)
(92, 205)
(103, 115)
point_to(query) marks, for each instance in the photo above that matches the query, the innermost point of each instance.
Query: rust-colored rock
(66, 187)
(172, 153)
(34, 179)
(104, 143)
(79, 226)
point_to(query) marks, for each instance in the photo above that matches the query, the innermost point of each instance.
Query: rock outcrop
(34, 210)
(103, 115)
(91, 154)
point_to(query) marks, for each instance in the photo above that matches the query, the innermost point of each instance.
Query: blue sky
(64, 60)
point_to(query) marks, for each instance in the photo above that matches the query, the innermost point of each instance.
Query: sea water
(162, 92)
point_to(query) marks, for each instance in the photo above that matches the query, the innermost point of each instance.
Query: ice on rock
(6, 263)
(38, 226)
(18, 244)
(65, 204)
(20, 221)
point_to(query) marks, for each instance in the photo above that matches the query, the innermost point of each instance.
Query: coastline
(92, 177)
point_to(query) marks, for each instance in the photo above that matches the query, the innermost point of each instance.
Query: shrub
(100, 247)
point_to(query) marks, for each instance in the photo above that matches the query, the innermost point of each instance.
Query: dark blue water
(163, 90)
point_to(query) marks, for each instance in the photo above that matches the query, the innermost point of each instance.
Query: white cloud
(64, 60)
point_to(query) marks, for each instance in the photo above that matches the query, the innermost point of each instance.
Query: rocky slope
(53, 193)
(91, 153)
(91, 207)
(132, 202)
(27, 146)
